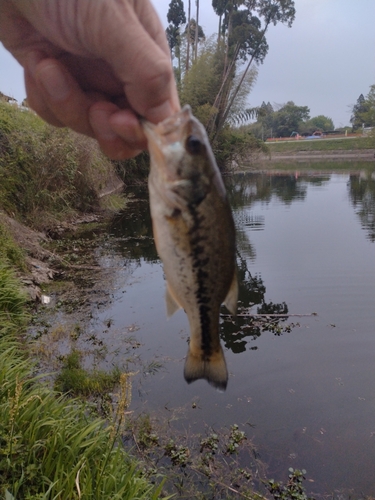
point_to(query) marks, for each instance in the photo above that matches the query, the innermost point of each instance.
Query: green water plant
(292, 490)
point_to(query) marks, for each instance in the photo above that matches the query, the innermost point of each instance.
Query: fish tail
(212, 368)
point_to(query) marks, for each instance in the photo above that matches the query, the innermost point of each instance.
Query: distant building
(7, 98)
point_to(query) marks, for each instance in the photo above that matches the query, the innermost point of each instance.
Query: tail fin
(213, 369)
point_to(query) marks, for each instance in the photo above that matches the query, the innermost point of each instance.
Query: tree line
(215, 75)
(287, 120)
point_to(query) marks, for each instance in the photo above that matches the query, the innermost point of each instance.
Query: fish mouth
(170, 131)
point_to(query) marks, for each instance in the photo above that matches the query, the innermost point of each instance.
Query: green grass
(322, 145)
(79, 382)
(10, 251)
(320, 166)
(52, 447)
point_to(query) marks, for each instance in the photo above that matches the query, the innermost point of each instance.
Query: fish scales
(195, 237)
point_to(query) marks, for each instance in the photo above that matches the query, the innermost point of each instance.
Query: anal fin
(231, 299)
(171, 302)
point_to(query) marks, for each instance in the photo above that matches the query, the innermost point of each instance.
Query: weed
(235, 439)
(146, 436)
(178, 454)
(196, 463)
(293, 490)
(12, 301)
(210, 443)
(10, 251)
(113, 202)
(77, 381)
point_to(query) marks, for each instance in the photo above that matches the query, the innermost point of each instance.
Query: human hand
(93, 66)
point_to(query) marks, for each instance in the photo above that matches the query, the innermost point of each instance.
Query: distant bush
(235, 146)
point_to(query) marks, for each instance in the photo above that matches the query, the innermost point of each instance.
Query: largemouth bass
(195, 237)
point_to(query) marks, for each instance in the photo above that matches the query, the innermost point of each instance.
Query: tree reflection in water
(362, 194)
(132, 230)
(243, 191)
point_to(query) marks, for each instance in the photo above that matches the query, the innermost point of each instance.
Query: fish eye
(193, 145)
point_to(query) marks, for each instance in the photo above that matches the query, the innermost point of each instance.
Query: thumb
(135, 47)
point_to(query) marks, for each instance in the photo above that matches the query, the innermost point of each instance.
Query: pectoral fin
(230, 301)
(172, 304)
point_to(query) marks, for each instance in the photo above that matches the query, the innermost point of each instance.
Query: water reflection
(310, 393)
(132, 238)
(132, 229)
(362, 194)
(245, 189)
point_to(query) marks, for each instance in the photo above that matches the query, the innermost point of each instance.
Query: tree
(245, 42)
(364, 110)
(196, 31)
(359, 111)
(319, 122)
(219, 8)
(194, 35)
(188, 38)
(176, 14)
(265, 123)
(176, 17)
(289, 118)
(370, 113)
(202, 82)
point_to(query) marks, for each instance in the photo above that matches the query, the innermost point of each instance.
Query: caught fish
(194, 236)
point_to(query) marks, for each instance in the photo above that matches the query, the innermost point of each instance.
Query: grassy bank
(48, 174)
(322, 145)
(51, 446)
(316, 166)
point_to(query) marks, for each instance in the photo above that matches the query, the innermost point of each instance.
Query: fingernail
(54, 81)
(100, 124)
(159, 113)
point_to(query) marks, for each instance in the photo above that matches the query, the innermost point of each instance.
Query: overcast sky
(324, 61)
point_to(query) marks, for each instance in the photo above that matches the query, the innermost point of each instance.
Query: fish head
(182, 163)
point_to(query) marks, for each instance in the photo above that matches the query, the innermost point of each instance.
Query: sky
(324, 61)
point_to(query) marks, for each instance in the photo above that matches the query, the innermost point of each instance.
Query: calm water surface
(306, 244)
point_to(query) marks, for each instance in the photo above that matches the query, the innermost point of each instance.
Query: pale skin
(94, 66)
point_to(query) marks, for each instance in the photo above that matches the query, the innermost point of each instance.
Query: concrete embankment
(334, 155)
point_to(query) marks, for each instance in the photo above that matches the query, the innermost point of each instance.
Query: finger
(62, 96)
(110, 142)
(145, 70)
(126, 124)
(34, 96)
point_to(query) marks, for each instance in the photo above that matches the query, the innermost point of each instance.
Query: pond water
(306, 246)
